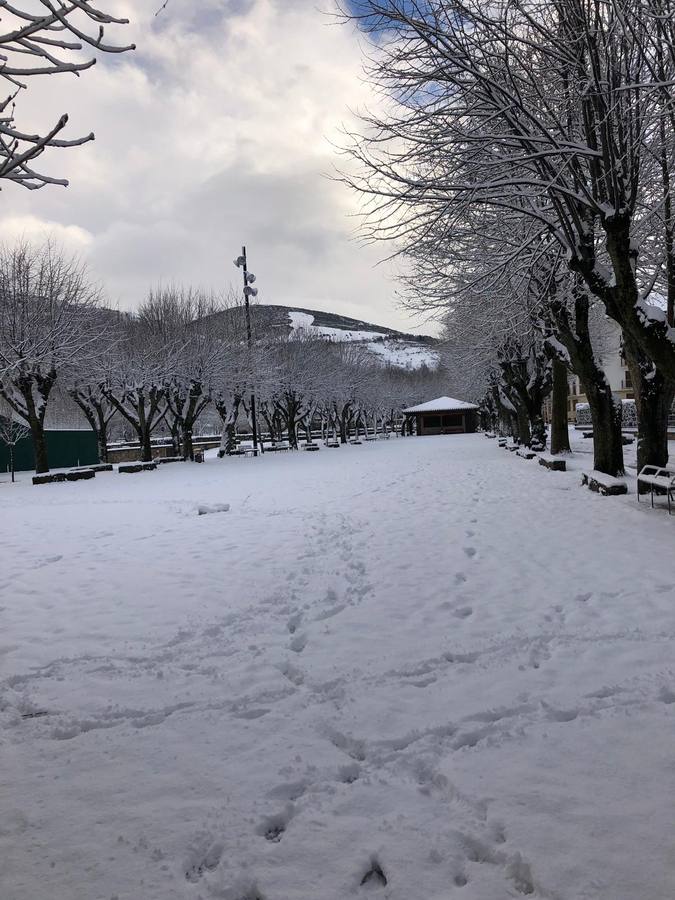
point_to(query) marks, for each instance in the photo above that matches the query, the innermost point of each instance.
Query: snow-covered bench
(525, 452)
(604, 484)
(502, 442)
(49, 478)
(278, 446)
(244, 448)
(552, 462)
(130, 468)
(95, 467)
(80, 475)
(659, 479)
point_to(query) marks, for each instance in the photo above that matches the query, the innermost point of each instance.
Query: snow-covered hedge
(629, 417)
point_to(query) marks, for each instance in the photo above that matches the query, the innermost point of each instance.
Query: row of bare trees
(524, 163)
(182, 355)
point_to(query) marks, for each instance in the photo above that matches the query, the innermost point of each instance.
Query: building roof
(440, 404)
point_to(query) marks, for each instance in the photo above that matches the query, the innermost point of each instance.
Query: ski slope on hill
(387, 348)
(418, 669)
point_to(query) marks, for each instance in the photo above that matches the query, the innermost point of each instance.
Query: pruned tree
(45, 37)
(48, 323)
(180, 320)
(138, 389)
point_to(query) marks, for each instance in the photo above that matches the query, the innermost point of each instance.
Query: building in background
(444, 415)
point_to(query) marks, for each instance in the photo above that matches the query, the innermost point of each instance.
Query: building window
(432, 421)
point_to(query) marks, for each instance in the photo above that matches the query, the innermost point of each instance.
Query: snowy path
(422, 661)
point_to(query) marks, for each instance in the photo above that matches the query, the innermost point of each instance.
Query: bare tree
(11, 432)
(138, 389)
(181, 318)
(48, 322)
(47, 42)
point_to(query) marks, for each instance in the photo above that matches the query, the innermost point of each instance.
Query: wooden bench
(604, 484)
(278, 447)
(502, 442)
(80, 475)
(659, 479)
(130, 468)
(525, 453)
(552, 462)
(49, 478)
(312, 447)
(164, 460)
(332, 444)
(490, 434)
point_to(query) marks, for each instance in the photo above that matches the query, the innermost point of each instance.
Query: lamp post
(241, 263)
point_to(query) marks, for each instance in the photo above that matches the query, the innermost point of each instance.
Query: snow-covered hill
(388, 347)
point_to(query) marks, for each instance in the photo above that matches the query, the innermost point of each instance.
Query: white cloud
(216, 132)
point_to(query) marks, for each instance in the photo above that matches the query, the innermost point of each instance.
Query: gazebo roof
(440, 404)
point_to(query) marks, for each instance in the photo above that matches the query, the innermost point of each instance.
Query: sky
(218, 131)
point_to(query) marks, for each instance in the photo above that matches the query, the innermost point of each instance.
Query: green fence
(65, 450)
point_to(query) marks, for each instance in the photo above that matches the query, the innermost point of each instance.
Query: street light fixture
(241, 263)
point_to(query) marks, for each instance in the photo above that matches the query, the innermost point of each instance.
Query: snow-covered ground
(386, 349)
(422, 660)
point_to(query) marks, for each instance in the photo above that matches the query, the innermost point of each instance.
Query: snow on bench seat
(604, 484)
(555, 463)
(131, 468)
(660, 479)
(526, 453)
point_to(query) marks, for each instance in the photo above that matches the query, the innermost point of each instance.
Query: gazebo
(444, 415)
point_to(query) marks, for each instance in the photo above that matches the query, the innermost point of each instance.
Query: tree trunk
(606, 418)
(292, 429)
(560, 438)
(146, 444)
(102, 443)
(653, 399)
(524, 434)
(605, 412)
(11, 460)
(39, 439)
(188, 447)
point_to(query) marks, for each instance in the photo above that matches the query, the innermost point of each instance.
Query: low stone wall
(132, 452)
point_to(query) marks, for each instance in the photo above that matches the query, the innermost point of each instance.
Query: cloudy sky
(216, 131)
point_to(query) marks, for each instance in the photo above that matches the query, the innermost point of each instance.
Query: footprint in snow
(463, 612)
(293, 622)
(203, 856)
(295, 676)
(561, 715)
(470, 551)
(350, 773)
(298, 643)
(583, 598)
(273, 827)
(374, 876)
(460, 578)
(666, 695)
